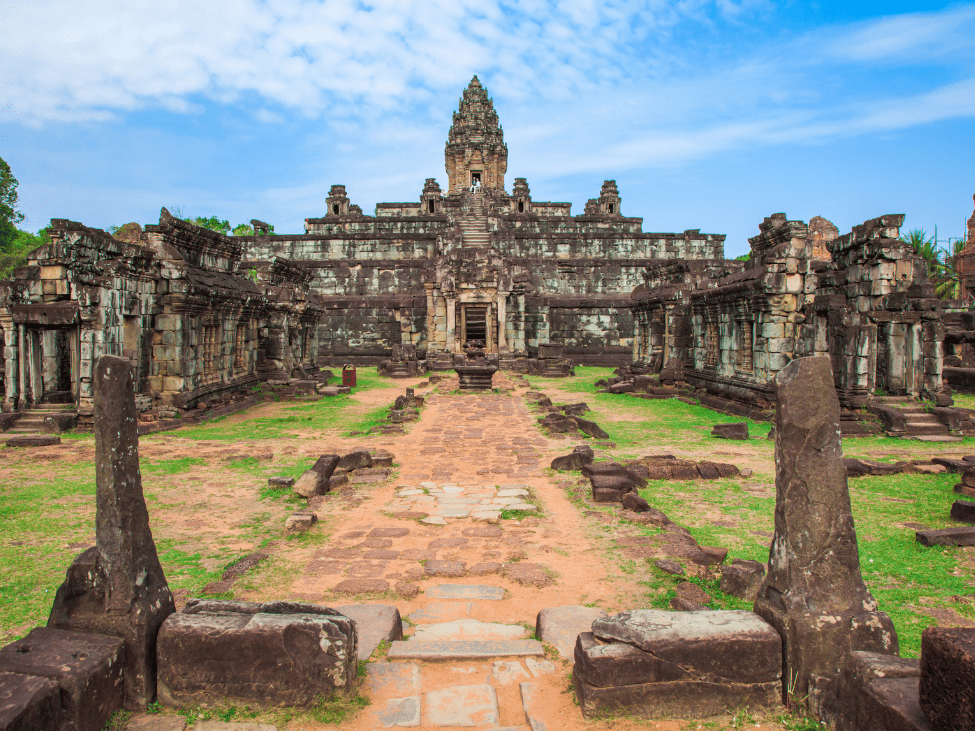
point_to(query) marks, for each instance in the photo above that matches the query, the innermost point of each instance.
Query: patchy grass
(336, 415)
(910, 582)
(635, 422)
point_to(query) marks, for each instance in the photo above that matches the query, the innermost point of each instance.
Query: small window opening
(611, 208)
(431, 206)
(335, 209)
(521, 206)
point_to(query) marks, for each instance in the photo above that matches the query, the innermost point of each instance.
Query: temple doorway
(474, 324)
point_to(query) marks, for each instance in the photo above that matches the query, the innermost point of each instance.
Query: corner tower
(475, 144)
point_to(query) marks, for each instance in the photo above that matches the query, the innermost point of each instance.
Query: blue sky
(709, 114)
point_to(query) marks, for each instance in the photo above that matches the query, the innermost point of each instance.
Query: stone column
(431, 316)
(813, 593)
(451, 305)
(10, 355)
(502, 315)
(117, 587)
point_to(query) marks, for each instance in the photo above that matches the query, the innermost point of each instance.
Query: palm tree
(939, 264)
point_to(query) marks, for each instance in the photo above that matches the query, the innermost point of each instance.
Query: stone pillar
(813, 593)
(502, 315)
(117, 587)
(451, 306)
(431, 316)
(11, 358)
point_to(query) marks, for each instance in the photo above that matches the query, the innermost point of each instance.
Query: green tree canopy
(10, 217)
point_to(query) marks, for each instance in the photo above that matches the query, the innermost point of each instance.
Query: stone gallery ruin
(471, 291)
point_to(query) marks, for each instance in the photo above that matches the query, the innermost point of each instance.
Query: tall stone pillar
(117, 587)
(502, 316)
(813, 593)
(451, 305)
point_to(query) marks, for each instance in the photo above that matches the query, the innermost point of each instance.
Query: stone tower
(475, 144)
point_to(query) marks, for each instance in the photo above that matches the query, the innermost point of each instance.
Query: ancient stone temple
(477, 263)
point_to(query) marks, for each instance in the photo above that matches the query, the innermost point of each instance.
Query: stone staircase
(32, 420)
(455, 670)
(917, 422)
(474, 226)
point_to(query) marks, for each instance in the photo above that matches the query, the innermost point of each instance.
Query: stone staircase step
(464, 649)
(470, 592)
(468, 630)
(916, 428)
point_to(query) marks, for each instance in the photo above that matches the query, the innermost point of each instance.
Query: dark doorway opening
(475, 323)
(521, 206)
(431, 206)
(475, 178)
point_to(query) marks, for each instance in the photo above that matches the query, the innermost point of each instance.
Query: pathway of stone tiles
(469, 542)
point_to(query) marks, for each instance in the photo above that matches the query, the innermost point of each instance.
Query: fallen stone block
(861, 467)
(589, 428)
(742, 578)
(29, 703)
(634, 502)
(355, 460)
(289, 654)
(86, 667)
(963, 511)
(620, 483)
(557, 424)
(947, 684)
(606, 495)
(614, 469)
(33, 441)
(962, 489)
(561, 626)
(310, 484)
(300, 522)
(579, 458)
(281, 481)
(946, 537)
(958, 466)
(730, 431)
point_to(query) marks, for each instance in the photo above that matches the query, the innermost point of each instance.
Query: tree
(10, 217)
(939, 263)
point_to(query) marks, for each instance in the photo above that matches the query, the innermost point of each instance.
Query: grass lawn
(916, 586)
(47, 508)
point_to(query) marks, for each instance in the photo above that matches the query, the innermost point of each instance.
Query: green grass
(902, 575)
(334, 413)
(632, 422)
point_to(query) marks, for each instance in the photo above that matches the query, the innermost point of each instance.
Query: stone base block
(280, 654)
(873, 692)
(947, 688)
(677, 699)
(87, 668)
(28, 703)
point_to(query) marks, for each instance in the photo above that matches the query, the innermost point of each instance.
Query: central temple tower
(475, 148)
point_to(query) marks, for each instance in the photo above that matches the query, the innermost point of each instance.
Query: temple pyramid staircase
(474, 225)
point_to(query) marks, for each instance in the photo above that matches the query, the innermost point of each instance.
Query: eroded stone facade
(734, 326)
